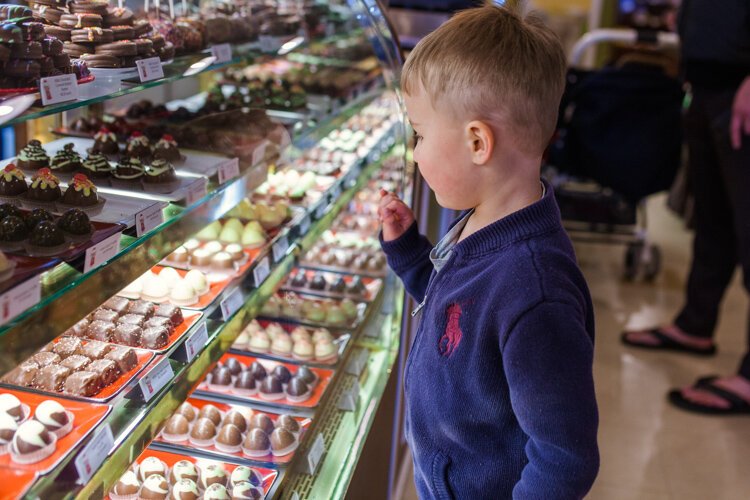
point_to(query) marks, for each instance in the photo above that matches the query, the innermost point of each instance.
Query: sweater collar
(540, 217)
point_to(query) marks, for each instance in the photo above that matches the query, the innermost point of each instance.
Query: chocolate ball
(154, 488)
(242, 474)
(127, 485)
(338, 286)
(188, 411)
(299, 280)
(263, 422)
(177, 425)
(258, 371)
(257, 441)
(230, 436)
(281, 441)
(245, 380)
(12, 406)
(212, 474)
(150, 466)
(287, 422)
(297, 387)
(203, 430)
(216, 492)
(318, 282)
(51, 415)
(271, 386)
(212, 413)
(8, 428)
(30, 437)
(184, 469)
(236, 418)
(221, 376)
(234, 366)
(306, 374)
(282, 373)
(184, 489)
(242, 491)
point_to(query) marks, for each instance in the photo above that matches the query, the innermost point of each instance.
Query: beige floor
(650, 450)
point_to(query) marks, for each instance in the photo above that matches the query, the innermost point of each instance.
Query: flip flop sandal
(737, 405)
(667, 343)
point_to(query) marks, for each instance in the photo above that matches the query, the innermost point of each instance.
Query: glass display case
(193, 296)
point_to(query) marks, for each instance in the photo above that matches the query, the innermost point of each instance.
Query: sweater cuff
(404, 250)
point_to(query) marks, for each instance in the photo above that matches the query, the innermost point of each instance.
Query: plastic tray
(361, 307)
(372, 285)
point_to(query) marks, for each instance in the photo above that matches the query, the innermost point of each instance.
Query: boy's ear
(481, 141)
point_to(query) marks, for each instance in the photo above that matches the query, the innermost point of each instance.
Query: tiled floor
(650, 450)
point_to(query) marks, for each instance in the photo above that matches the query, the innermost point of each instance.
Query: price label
(93, 454)
(157, 378)
(229, 170)
(349, 398)
(148, 219)
(56, 89)
(304, 225)
(196, 191)
(279, 248)
(315, 454)
(196, 342)
(231, 304)
(222, 52)
(261, 271)
(260, 153)
(150, 69)
(18, 299)
(101, 252)
(321, 210)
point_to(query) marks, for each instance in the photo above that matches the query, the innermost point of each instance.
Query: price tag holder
(222, 52)
(229, 170)
(314, 456)
(260, 153)
(321, 209)
(18, 299)
(101, 252)
(279, 248)
(196, 191)
(150, 69)
(148, 219)
(357, 362)
(231, 304)
(261, 272)
(92, 456)
(57, 89)
(156, 379)
(304, 224)
(349, 398)
(337, 191)
(196, 342)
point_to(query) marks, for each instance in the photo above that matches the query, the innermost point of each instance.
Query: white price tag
(196, 191)
(101, 252)
(231, 304)
(148, 219)
(316, 452)
(261, 271)
(304, 225)
(56, 89)
(196, 342)
(279, 248)
(156, 379)
(222, 52)
(321, 210)
(260, 152)
(150, 69)
(18, 299)
(229, 170)
(93, 454)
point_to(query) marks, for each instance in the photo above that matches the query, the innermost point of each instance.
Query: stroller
(618, 140)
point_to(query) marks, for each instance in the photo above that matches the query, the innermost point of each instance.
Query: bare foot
(736, 384)
(645, 337)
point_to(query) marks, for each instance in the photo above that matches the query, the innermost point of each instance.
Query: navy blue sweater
(499, 391)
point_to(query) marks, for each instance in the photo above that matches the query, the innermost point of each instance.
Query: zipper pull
(419, 307)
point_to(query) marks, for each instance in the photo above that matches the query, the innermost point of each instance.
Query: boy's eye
(417, 137)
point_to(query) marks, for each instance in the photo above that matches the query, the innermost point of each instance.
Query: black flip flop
(667, 343)
(737, 405)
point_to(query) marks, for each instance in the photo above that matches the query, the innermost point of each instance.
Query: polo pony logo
(452, 336)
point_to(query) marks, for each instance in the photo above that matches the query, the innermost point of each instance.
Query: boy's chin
(451, 204)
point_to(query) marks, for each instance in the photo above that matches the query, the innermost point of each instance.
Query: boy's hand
(394, 214)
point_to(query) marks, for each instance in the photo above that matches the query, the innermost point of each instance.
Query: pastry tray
(372, 285)
(213, 392)
(341, 340)
(86, 416)
(211, 451)
(269, 476)
(251, 253)
(16, 482)
(217, 284)
(144, 357)
(361, 307)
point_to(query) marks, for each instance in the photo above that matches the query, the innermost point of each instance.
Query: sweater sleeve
(547, 359)
(409, 257)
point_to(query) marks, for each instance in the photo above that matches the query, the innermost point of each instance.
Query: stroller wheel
(642, 259)
(632, 261)
(651, 264)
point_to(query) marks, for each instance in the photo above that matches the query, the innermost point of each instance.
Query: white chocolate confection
(151, 466)
(235, 224)
(210, 472)
(30, 432)
(303, 349)
(324, 349)
(259, 342)
(170, 276)
(8, 402)
(191, 244)
(183, 486)
(241, 341)
(230, 235)
(335, 315)
(183, 294)
(216, 492)
(156, 483)
(213, 247)
(133, 290)
(7, 423)
(155, 289)
(274, 329)
(197, 280)
(241, 474)
(321, 334)
(253, 327)
(282, 344)
(251, 236)
(349, 308)
(210, 232)
(300, 334)
(130, 479)
(45, 411)
(184, 469)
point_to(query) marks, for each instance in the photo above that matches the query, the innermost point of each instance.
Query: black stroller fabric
(621, 127)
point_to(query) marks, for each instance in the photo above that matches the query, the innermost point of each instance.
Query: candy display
(216, 257)
(314, 310)
(333, 284)
(191, 289)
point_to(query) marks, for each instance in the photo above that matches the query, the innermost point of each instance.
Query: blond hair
(492, 63)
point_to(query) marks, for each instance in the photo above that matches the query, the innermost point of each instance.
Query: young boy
(499, 390)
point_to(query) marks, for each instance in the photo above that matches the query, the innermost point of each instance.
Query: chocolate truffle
(282, 441)
(45, 187)
(106, 315)
(212, 474)
(242, 474)
(356, 287)
(81, 192)
(233, 366)
(173, 313)
(76, 362)
(12, 181)
(177, 425)
(128, 484)
(30, 437)
(45, 358)
(51, 415)
(235, 418)
(245, 381)
(287, 422)
(125, 358)
(188, 411)
(271, 388)
(297, 388)
(75, 222)
(100, 330)
(84, 383)
(184, 489)
(282, 373)
(36, 216)
(24, 375)
(129, 335)
(68, 347)
(52, 377)
(154, 488)
(245, 490)
(13, 229)
(79, 329)
(12, 406)
(141, 307)
(154, 338)
(216, 492)
(7, 210)
(221, 376)
(150, 466)
(95, 349)
(263, 422)
(203, 430)
(338, 286)
(318, 282)
(184, 469)
(306, 374)
(118, 304)
(46, 234)
(299, 280)
(229, 438)
(210, 412)
(132, 319)
(256, 443)
(107, 369)
(258, 371)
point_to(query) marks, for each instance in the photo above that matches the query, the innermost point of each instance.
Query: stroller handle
(659, 40)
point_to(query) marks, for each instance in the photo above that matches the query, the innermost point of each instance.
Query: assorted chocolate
(39, 232)
(326, 312)
(208, 256)
(288, 341)
(366, 261)
(319, 282)
(240, 430)
(168, 286)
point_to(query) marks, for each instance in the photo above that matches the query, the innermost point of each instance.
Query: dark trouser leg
(715, 244)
